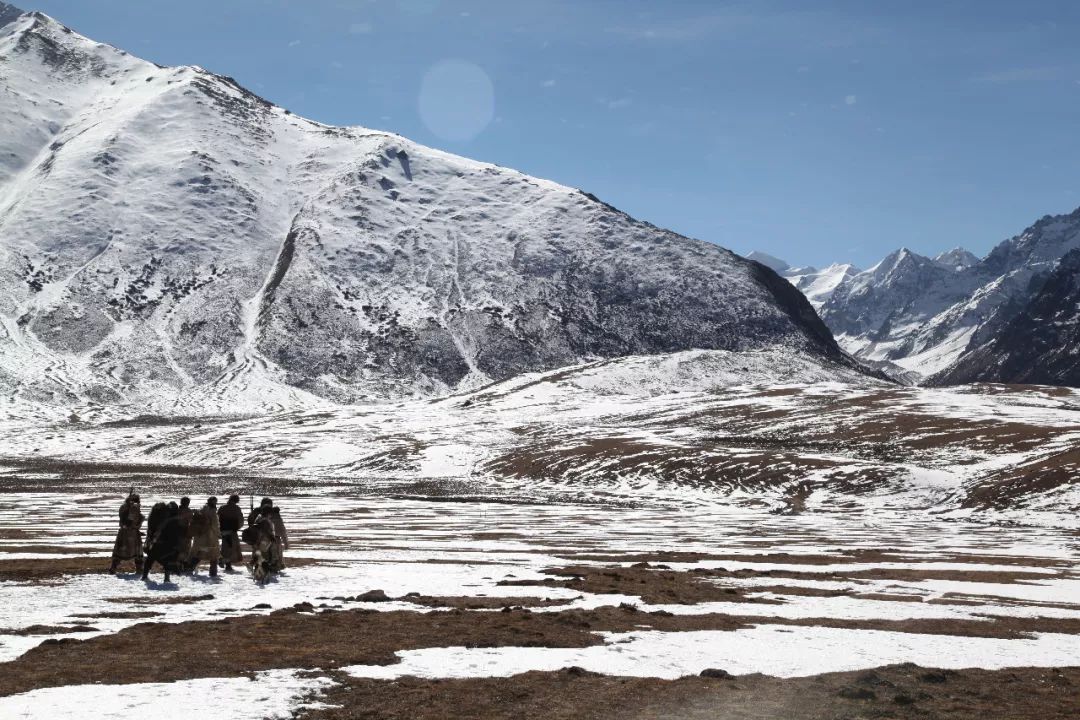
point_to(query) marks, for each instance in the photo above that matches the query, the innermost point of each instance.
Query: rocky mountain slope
(1040, 344)
(954, 316)
(168, 236)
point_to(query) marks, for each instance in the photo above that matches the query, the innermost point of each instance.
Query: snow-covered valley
(668, 592)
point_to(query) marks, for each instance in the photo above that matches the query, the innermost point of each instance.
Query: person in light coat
(282, 536)
(206, 537)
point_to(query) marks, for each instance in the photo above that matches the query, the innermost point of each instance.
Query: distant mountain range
(170, 240)
(1007, 317)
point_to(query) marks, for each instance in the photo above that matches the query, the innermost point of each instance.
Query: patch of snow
(269, 695)
(777, 650)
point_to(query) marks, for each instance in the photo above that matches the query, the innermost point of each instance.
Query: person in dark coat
(166, 543)
(153, 523)
(231, 519)
(264, 508)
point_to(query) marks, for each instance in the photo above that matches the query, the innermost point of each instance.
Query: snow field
(466, 548)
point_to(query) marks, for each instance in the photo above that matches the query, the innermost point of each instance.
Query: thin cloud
(1018, 75)
(820, 28)
(548, 83)
(361, 28)
(850, 99)
(294, 43)
(680, 29)
(616, 103)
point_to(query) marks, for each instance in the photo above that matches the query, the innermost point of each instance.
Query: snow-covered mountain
(167, 235)
(1040, 344)
(883, 313)
(927, 315)
(957, 259)
(817, 285)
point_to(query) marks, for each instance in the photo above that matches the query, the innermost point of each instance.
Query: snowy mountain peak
(901, 255)
(957, 259)
(898, 265)
(819, 285)
(769, 261)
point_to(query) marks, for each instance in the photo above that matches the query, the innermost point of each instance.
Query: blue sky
(816, 131)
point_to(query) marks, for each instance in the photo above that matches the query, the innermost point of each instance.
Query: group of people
(179, 538)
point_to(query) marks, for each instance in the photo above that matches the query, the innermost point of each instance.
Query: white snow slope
(816, 284)
(698, 428)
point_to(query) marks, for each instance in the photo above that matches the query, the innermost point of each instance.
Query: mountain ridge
(924, 316)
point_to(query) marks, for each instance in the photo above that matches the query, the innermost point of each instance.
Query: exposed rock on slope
(166, 233)
(1041, 344)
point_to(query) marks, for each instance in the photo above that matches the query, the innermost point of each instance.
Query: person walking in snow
(206, 537)
(263, 517)
(128, 545)
(231, 520)
(165, 543)
(263, 509)
(153, 523)
(282, 536)
(185, 517)
(262, 537)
